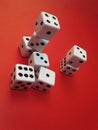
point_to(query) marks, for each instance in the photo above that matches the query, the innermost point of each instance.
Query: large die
(47, 25)
(45, 79)
(76, 56)
(38, 59)
(22, 77)
(66, 68)
(37, 43)
(25, 50)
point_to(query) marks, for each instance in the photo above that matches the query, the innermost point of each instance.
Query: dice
(73, 59)
(66, 68)
(76, 56)
(38, 59)
(22, 77)
(45, 79)
(37, 43)
(47, 25)
(25, 50)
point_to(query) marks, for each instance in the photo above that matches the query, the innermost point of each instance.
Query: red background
(72, 104)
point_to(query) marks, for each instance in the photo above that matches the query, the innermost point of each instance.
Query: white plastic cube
(38, 59)
(47, 25)
(25, 50)
(66, 68)
(37, 43)
(45, 79)
(22, 77)
(76, 56)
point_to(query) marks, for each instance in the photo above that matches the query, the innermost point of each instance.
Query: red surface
(73, 103)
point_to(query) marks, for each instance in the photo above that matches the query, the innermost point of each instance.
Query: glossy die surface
(47, 25)
(36, 43)
(76, 56)
(25, 50)
(45, 79)
(22, 77)
(66, 68)
(38, 59)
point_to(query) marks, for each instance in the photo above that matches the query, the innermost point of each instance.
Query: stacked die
(22, 77)
(36, 74)
(73, 60)
(46, 26)
(45, 78)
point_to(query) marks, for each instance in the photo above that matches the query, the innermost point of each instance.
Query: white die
(66, 68)
(38, 59)
(22, 77)
(25, 50)
(76, 56)
(37, 43)
(47, 25)
(45, 79)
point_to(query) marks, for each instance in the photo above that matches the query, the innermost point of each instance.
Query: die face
(22, 77)
(69, 70)
(76, 56)
(38, 59)
(62, 65)
(66, 68)
(25, 73)
(40, 86)
(47, 25)
(17, 84)
(25, 50)
(21, 85)
(47, 76)
(37, 43)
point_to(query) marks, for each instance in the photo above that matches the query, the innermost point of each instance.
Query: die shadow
(40, 96)
(29, 95)
(67, 82)
(19, 95)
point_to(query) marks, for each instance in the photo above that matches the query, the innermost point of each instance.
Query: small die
(47, 25)
(38, 59)
(22, 77)
(37, 43)
(25, 50)
(45, 79)
(76, 56)
(66, 68)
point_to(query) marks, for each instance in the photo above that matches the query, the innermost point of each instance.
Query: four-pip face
(47, 25)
